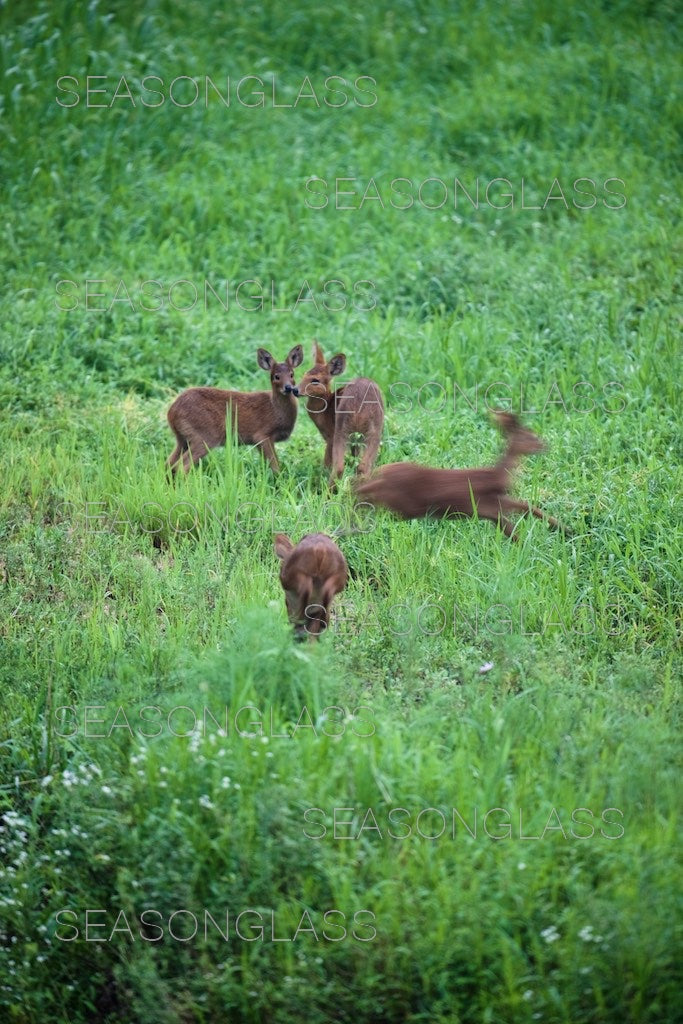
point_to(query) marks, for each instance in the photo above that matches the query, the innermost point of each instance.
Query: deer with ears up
(311, 574)
(353, 408)
(198, 415)
(413, 491)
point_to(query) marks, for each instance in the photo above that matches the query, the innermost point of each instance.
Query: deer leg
(493, 510)
(327, 461)
(338, 453)
(172, 460)
(370, 454)
(507, 526)
(174, 456)
(526, 508)
(268, 452)
(196, 449)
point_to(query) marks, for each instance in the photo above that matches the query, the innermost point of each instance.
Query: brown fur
(198, 415)
(353, 408)
(413, 491)
(311, 574)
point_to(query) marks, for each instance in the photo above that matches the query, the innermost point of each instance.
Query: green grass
(124, 600)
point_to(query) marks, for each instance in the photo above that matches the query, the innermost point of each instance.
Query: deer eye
(276, 376)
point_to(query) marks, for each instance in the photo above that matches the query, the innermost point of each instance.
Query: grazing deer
(353, 408)
(413, 491)
(198, 415)
(311, 574)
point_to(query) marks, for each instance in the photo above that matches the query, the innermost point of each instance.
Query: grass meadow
(460, 806)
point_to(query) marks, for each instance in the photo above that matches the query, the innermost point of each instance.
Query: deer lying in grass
(353, 408)
(311, 574)
(413, 491)
(198, 415)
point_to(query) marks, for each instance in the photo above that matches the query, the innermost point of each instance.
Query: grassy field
(459, 806)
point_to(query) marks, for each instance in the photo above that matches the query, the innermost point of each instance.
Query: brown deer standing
(353, 408)
(413, 491)
(198, 415)
(311, 574)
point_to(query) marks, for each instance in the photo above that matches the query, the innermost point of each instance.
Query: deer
(353, 408)
(413, 491)
(198, 416)
(312, 573)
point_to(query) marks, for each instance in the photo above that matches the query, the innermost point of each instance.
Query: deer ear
(264, 359)
(296, 356)
(282, 545)
(318, 355)
(337, 364)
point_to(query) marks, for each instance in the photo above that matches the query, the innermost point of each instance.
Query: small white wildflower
(107, 790)
(205, 801)
(264, 739)
(528, 995)
(550, 934)
(225, 782)
(586, 933)
(47, 779)
(521, 866)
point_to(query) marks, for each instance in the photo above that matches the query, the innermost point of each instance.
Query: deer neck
(507, 464)
(285, 406)
(321, 406)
